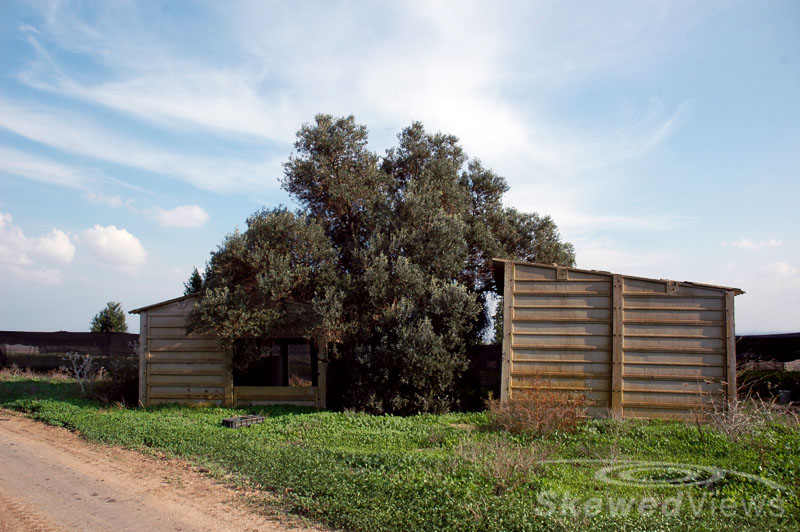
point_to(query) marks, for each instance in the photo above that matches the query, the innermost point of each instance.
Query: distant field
(447, 473)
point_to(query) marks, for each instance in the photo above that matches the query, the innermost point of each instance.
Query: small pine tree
(110, 319)
(194, 284)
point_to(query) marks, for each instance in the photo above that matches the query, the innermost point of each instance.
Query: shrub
(739, 419)
(536, 411)
(119, 382)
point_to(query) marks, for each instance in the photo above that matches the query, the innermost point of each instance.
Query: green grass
(431, 473)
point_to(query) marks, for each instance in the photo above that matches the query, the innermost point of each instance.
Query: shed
(176, 367)
(637, 347)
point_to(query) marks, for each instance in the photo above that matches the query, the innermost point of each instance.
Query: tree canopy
(110, 319)
(194, 284)
(392, 254)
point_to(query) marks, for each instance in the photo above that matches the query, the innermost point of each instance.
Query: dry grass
(537, 411)
(744, 418)
(15, 371)
(509, 464)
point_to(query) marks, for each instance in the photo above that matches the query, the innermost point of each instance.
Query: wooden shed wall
(179, 368)
(642, 348)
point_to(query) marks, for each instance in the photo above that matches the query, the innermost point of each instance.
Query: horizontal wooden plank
(188, 402)
(173, 332)
(186, 380)
(181, 368)
(630, 285)
(685, 331)
(580, 301)
(673, 314)
(522, 271)
(639, 343)
(258, 402)
(673, 358)
(183, 344)
(668, 302)
(185, 391)
(275, 392)
(672, 386)
(528, 368)
(542, 347)
(557, 287)
(561, 382)
(167, 320)
(658, 399)
(597, 397)
(653, 412)
(676, 372)
(535, 355)
(557, 340)
(561, 327)
(187, 356)
(562, 313)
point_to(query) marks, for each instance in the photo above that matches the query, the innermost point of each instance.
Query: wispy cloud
(746, 243)
(76, 134)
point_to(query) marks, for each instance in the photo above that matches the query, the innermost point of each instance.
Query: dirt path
(52, 480)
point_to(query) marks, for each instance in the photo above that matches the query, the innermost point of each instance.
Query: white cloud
(186, 216)
(746, 243)
(103, 199)
(116, 247)
(22, 256)
(783, 269)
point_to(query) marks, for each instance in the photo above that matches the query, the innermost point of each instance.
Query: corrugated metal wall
(640, 347)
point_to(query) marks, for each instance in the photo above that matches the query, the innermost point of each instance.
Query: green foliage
(110, 319)
(195, 283)
(442, 472)
(392, 253)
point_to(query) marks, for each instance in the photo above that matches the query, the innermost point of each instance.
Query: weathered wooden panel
(643, 342)
(690, 331)
(187, 356)
(522, 367)
(658, 370)
(188, 402)
(593, 287)
(673, 315)
(674, 358)
(168, 320)
(172, 332)
(192, 379)
(670, 340)
(187, 391)
(533, 354)
(669, 302)
(566, 301)
(557, 340)
(695, 387)
(562, 313)
(181, 368)
(183, 344)
(536, 327)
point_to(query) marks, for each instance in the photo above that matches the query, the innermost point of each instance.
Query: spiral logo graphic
(640, 474)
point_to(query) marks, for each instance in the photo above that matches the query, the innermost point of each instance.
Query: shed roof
(499, 278)
(162, 303)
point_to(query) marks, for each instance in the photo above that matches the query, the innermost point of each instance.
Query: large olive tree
(392, 253)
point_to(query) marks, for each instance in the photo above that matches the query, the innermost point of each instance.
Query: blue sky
(663, 137)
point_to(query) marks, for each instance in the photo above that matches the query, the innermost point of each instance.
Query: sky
(662, 137)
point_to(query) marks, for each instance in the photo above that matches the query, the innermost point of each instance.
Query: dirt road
(52, 480)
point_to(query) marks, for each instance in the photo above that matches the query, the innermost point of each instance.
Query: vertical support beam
(144, 354)
(322, 376)
(230, 400)
(314, 351)
(284, 362)
(730, 346)
(508, 318)
(617, 354)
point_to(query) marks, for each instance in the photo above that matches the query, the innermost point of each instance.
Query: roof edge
(162, 303)
(499, 279)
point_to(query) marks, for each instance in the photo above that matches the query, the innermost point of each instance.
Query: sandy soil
(52, 480)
